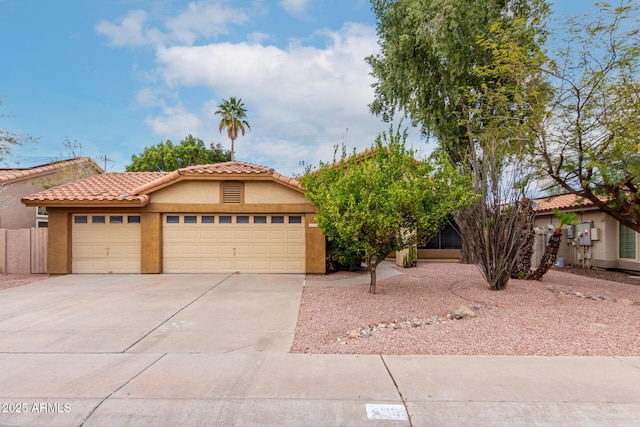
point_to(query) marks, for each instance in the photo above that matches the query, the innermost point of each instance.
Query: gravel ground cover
(564, 314)
(12, 280)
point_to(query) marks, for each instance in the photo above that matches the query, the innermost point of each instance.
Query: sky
(117, 76)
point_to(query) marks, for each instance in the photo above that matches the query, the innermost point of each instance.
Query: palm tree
(233, 114)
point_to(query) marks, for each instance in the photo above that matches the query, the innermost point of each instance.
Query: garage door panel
(259, 235)
(230, 247)
(105, 247)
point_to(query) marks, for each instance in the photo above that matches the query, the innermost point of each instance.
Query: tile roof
(106, 187)
(16, 174)
(235, 169)
(134, 187)
(563, 201)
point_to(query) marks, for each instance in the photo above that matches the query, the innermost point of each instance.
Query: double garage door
(192, 243)
(230, 243)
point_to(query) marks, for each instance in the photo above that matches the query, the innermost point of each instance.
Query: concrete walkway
(208, 350)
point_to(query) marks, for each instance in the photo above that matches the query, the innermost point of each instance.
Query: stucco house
(225, 217)
(16, 183)
(597, 241)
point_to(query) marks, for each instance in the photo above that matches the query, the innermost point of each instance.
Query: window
(133, 219)
(231, 192)
(42, 217)
(447, 238)
(627, 243)
(277, 219)
(173, 219)
(242, 219)
(190, 219)
(259, 219)
(115, 219)
(207, 219)
(225, 219)
(98, 219)
(81, 219)
(297, 219)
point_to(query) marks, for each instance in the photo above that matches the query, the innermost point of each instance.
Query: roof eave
(138, 202)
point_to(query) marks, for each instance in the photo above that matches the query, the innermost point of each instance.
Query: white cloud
(200, 19)
(296, 7)
(130, 31)
(175, 123)
(204, 19)
(300, 100)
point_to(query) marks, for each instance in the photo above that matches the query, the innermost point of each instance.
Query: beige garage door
(105, 243)
(230, 243)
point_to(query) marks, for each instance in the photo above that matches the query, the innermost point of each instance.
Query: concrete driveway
(211, 313)
(209, 350)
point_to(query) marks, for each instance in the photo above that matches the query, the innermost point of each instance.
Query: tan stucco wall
(151, 235)
(188, 192)
(59, 243)
(604, 252)
(315, 246)
(269, 192)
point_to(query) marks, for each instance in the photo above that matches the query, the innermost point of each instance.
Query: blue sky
(120, 75)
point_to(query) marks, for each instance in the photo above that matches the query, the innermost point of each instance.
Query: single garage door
(233, 243)
(105, 243)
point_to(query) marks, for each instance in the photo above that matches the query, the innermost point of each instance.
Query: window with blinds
(627, 243)
(232, 192)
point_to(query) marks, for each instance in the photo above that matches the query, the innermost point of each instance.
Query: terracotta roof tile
(15, 174)
(133, 186)
(564, 201)
(225, 168)
(113, 186)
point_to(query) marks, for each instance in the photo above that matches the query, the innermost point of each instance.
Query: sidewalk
(317, 390)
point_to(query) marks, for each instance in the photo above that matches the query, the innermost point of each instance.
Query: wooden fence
(23, 251)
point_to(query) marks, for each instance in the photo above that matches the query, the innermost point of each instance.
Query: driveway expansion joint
(119, 388)
(404, 403)
(177, 312)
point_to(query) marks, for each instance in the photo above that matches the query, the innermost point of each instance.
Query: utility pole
(105, 159)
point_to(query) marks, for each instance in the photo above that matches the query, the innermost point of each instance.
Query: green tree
(589, 142)
(429, 55)
(368, 203)
(499, 121)
(233, 116)
(166, 156)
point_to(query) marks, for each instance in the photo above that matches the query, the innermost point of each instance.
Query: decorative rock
(462, 312)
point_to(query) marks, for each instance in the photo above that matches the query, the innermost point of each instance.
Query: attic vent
(231, 192)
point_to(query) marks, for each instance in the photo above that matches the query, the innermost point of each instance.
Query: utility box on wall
(584, 233)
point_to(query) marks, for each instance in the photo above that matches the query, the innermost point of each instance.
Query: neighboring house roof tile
(134, 187)
(16, 174)
(563, 202)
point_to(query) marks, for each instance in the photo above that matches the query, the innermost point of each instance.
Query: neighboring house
(225, 217)
(17, 183)
(597, 241)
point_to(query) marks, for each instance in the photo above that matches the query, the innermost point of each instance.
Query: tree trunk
(372, 285)
(549, 256)
(232, 150)
(466, 257)
(372, 271)
(523, 264)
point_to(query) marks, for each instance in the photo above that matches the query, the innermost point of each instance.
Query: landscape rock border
(461, 312)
